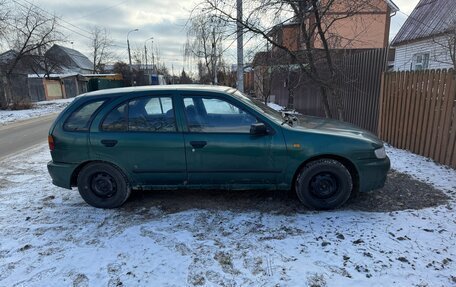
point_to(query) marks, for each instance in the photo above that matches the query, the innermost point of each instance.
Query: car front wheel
(103, 185)
(324, 184)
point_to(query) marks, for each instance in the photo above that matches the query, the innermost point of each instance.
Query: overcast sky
(163, 20)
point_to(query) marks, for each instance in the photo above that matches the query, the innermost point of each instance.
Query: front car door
(141, 135)
(219, 148)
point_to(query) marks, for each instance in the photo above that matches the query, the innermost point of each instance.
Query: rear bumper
(61, 173)
(373, 174)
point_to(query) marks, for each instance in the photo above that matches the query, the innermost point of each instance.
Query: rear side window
(79, 120)
(145, 114)
(116, 120)
(151, 114)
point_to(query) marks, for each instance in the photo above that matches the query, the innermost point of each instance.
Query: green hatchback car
(110, 142)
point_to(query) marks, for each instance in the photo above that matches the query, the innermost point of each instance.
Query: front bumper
(373, 173)
(61, 173)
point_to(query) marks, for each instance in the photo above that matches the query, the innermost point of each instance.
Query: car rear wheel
(103, 185)
(324, 184)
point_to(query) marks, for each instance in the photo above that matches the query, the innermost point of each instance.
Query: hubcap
(324, 185)
(103, 185)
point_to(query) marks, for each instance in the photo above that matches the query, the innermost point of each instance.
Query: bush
(22, 105)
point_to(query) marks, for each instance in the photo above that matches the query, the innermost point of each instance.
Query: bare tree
(30, 34)
(100, 44)
(205, 35)
(33, 33)
(314, 22)
(271, 66)
(448, 42)
(267, 67)
(4, 15)
(45, 64)
(451, 39)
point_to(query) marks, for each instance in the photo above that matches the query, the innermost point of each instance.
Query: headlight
(380, 153)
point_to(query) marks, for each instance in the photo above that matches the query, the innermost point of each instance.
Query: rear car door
(141, 136)
(220, 149)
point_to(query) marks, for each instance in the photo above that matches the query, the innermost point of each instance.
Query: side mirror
(258, 129)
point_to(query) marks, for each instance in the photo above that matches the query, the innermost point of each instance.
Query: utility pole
(145, 55)
(129, 54)
(172, 73)
(214, 57)
(145, 50)
(240, 48)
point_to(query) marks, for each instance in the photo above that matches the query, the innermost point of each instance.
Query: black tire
(103, 185)
(324, 184)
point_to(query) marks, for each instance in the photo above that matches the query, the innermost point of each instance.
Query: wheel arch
(343, 160)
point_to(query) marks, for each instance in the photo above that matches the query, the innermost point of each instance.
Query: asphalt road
(23, 135)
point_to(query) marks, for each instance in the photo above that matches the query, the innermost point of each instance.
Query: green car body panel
(167, 160)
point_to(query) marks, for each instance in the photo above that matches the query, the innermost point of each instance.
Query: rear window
(79, 120)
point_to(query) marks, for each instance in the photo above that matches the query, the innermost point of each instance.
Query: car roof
(193, 88)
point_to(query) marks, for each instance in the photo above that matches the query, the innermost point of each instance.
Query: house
(70, 60)
(60, 73)
(13, 76)
(423, 40)
(9, 63)
(365, 27)
(6, 58)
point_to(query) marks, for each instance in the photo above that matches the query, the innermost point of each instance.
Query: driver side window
(214, 115)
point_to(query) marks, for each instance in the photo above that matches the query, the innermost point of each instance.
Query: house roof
(429, 18)
(7, 57)
(60, 76)
(77, 57)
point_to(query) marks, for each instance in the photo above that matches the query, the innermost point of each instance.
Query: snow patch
(39, 109)
(284, 110)
(424, 169)
(276, 107)
(50, 237)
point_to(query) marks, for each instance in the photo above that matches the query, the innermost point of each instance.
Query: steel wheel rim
(324, 185)
(103, 185)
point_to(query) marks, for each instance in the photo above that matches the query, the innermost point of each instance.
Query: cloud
(406, 6)
(163, 20)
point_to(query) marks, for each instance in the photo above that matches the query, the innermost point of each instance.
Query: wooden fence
(358, 83)
(418, 113)
(360, 87)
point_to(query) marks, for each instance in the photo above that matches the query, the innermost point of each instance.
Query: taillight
(51, 142)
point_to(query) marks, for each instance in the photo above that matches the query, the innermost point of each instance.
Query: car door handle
(109, 143)
(198, 144)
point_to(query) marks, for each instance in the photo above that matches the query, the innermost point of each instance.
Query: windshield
(259, 106)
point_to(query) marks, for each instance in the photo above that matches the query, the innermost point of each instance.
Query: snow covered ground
(50, 237)
(39, 109)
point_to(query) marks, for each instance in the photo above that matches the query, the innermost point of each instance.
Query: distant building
(422, 42)
(23, 66)
(364, 29)
(7, 57)
(70, 60)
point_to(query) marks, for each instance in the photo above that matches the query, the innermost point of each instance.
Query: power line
(57, 23)
(49, 13)
(101, 10)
